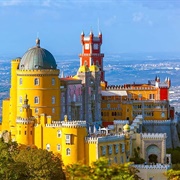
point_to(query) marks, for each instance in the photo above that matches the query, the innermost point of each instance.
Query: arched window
(36, 81)
(53, 110)
(48, 147)
(36, 110)
(20, 99)
(36, 100)
(20, 81)
(53, 81)
(58, 147)
(59, 133)
(74, 97)
(68, 152)
(53, 100)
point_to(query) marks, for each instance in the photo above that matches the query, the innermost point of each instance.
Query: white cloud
(110, 21)
(11, 2)
(138, 17)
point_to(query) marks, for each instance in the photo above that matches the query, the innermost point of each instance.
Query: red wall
(164, 94)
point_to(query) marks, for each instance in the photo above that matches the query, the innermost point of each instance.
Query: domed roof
(37, 58)
(83, 68)
(94, 68)
(126, 127)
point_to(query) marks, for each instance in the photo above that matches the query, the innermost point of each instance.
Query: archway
(153, 158)
(153, 154)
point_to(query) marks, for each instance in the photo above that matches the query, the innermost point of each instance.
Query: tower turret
(91, 52)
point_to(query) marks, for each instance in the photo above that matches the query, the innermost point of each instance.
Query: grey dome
(37, 58)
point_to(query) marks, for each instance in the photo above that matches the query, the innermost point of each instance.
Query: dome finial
(38, 42)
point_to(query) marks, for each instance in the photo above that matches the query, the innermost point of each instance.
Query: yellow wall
(44, 91)
(77, 145)
(13, 92)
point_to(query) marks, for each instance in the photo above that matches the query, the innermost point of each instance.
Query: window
(58, 147)
(36, 81)
(74, 97)
(19, 132)
(103, 150)
(36, 110)
(68, 138)
(20, 81)
(24, 132)
(48, 147)
(115, 159)
(53, 81)
(108, 105)
(116, 148)
(151, 96)
(53, 110)
(20, 109)
(20, 99)
(59, 133)
(68, 152)
(122, 148)
(53, 100)
(36, 100)
(122, 159)
(110, 149)
(86, 46)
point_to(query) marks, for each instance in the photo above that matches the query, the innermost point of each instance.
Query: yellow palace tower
(34, 93)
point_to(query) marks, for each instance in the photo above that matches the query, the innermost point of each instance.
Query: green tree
(9, 169)
(137, 159)
(78, 171)
(17, 163)
(40, 164)
(101, 170)
(173, 174)
(175, 155)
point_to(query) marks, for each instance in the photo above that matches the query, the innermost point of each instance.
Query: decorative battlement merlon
(74, 123)
(157, 122)
(24, 120)
(128, 87)
(157, 166)
(153, 135)
(121, 122)
(107, 138)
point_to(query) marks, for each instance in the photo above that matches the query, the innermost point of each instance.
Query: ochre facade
(70, 115)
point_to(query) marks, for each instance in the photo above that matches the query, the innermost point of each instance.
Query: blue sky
(126, 25)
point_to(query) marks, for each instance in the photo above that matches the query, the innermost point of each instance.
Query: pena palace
(81, 116)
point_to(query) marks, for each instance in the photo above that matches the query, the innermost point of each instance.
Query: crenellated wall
(163, 126)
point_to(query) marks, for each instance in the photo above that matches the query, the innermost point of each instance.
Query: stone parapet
(153, 135)
(156, 166)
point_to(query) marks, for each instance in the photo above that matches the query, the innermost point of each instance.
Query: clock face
(95, 46)
(86, 46)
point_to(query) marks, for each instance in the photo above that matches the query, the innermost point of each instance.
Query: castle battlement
(121, 122)
(53, 125)
(73, 123)
(107, 138)
(156, 166)
(128, 87)
(153, 135)
(16, 60)
(157, 122)
(20, 120)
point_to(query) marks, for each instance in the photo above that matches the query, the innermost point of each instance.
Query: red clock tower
(91, 51)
